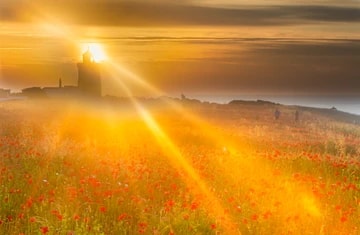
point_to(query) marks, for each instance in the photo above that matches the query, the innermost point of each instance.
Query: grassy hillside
(183, 168)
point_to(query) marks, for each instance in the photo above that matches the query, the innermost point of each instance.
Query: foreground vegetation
(75, 169)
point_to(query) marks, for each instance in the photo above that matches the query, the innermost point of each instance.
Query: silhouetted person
(296, 116)
(277, 114)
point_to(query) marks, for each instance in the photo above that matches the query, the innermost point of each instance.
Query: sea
(349, 104)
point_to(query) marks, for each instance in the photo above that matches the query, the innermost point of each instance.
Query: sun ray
(239, 156)
(182, 165)
(238, 153)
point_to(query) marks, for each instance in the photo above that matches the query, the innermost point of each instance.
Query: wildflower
(41, 198)
(44, 230)
(76, 217)
(351, 186)
(254, 217)
(54, 212)
(102, 209)
(142, 227)
(213, 226)
(194, 206)
(57, 214)
(52, 192)
(9, 218)
(267, 214)
(28, 203)
(121, 217)
(21, 216)
(169, 205)
(60, 217)
(32, 219)
(343, 219)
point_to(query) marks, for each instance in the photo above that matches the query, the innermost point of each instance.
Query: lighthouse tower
(89, 77)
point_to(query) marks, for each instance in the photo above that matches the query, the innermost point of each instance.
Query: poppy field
(69, 168)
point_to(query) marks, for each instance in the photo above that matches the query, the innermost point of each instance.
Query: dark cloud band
(163, 13)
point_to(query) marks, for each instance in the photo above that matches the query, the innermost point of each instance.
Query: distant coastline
(346, 104)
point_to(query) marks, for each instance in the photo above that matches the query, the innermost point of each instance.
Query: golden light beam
(164, 139)
(256, 170)
(181, 164)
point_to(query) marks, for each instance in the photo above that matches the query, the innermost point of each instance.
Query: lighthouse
(89, 77)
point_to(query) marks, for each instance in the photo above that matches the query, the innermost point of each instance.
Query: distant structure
(89, 84)
(34, 92)
(89, 78)
(61, 92)
(4, 93)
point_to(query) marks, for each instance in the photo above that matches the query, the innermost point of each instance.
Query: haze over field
(178, 168)
(110, 134)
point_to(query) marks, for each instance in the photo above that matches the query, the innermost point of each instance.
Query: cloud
(168, 13)
(212, 64)
(324, 13)
(262, 65)
(309, 48)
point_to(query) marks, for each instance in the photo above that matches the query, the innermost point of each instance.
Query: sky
(201, 48)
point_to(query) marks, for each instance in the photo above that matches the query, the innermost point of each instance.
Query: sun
(96, 50)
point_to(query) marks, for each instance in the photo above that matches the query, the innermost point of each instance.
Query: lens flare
(237, 164)
(96, 50)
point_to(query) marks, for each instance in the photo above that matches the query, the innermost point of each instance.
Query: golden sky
(187, 46)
